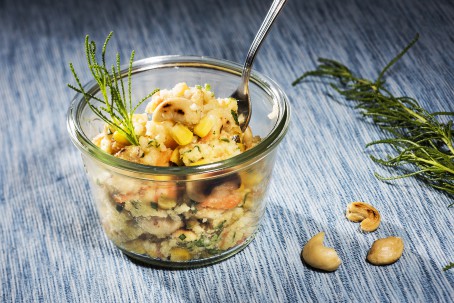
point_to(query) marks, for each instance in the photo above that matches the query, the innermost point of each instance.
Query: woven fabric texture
(52, 246)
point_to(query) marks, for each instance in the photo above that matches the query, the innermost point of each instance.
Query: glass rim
(268, 143)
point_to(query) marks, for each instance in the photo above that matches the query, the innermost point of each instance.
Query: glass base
(166, 264)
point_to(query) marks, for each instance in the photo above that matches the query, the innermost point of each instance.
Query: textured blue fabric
(52, 247)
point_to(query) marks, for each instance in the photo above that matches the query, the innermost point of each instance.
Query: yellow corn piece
(179, 254)
(204, 126)
(252, 179)
(200, 162)
(175, 157)
(181, 134)
(120, 138)
(241, 146)
(166, 202)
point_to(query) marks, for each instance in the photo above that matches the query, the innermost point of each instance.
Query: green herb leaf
(117, 103)
(153, 143)
(235, 117)
(418, 138)
(449, 266)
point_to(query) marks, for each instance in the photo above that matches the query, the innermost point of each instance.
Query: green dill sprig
(418, 138)
(116, 100)
(449, 266)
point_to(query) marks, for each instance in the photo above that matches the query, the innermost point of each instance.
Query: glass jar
(162, 215)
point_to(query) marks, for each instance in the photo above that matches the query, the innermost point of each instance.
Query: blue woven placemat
(52, 247)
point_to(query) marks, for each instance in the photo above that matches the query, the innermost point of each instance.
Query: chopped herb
(154, 205)
(209, 242)
(153, 143)
(215, 238)
(225, 139)
(198, 147)
(235, 117)
(185, 152)
(198, 86)
(213, 251)
(201, 242)
(245, 198)
(182, 237)
(135, 203)
(207, 87)
(220, 227)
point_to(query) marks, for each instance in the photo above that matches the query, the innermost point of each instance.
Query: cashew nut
(386, 251)
(179, 110)
(364, 213)
(319, 256)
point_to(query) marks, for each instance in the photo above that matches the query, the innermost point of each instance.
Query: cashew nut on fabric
(364, 213)
(386, 251)
(318, 256)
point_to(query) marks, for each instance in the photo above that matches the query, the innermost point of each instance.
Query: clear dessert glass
(154, 214)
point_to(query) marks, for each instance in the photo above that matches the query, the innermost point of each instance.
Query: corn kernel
(179, 254)
(181, 134)
(166, 202)
(120, 138)
(175, 157)
(241, 147)
(200, 162)
(252, 179)
(204, 126)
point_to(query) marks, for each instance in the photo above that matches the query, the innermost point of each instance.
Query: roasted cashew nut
(364, 213)
(386, 251)
(178, 109)
(318, 256)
